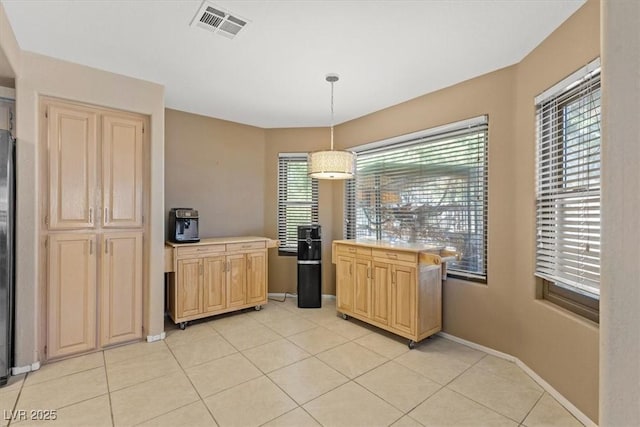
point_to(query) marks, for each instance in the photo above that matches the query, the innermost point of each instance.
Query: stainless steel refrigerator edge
(7, 212)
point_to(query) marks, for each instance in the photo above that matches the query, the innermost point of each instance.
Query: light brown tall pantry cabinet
(93, 226)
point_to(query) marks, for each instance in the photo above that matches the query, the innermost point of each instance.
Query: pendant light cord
(332, 115)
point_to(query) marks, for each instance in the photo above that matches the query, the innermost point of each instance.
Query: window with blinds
(297, 199)
(568, 187)
(429, 187)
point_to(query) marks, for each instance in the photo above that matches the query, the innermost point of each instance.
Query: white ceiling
(273, 73)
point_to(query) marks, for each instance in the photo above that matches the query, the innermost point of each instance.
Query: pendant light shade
(331, 164)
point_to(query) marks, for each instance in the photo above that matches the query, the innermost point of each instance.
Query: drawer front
(392, 255)
(346, 249)
(363, 251)
(353, 250)
(199, 250)
(246, 246)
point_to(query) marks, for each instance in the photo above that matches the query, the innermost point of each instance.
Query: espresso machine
(183, 225)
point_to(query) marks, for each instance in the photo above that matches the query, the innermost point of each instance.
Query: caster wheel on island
(345, 317)
(412, 344)
(258, 307)
(182, 325)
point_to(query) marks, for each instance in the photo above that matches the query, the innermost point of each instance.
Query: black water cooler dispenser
(309, 266)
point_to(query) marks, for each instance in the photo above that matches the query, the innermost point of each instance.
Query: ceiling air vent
(218, 20)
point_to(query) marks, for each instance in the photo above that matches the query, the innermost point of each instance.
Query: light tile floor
(282, 366)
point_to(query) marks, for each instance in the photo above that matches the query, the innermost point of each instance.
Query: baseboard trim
(17, 370)
(534, 376)
(154, 338)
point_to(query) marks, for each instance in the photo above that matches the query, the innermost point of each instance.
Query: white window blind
(568, 183)
(297, 198)
(430, 189)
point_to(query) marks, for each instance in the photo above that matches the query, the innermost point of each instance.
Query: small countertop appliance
(183, 225)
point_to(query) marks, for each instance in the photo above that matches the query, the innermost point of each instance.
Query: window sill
(567, 314)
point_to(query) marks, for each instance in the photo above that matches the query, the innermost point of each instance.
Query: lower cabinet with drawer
(390, 288)
(214, 277)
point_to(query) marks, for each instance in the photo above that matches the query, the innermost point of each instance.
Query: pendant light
(331, 164)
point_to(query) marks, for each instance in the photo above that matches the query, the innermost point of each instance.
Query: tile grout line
(106, 376)
(61, 376)
(312, 356)
(262, 374)
(15, 404)
(399, 409)
(71, 403)
(531, 409)
(265, 375)
(471, 399)
(497, 376)
(192, 385)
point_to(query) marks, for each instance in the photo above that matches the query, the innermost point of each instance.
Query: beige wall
(504, 314)
(37, 76)
(217, 167)
(9, 49)
(620, 298)
(283, 269)
(560, 347)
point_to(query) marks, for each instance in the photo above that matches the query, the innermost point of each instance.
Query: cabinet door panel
(121, 287)
(381, 292)
(72, 149)
(362, 287)
(403, 298)
(215, 295)
(189, 291)
(236, 280)
(257, 277)
(71, 294)
(122, 176)
(344, 283)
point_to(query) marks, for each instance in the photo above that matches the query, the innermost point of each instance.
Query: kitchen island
(216, 275)
(396, 286)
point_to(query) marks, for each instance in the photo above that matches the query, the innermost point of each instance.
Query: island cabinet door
(344, 283)
(236, 280)
(403, 298)
(257, 277)
(214, 286)
(381, 292)
(362, 290)
(189, 294)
